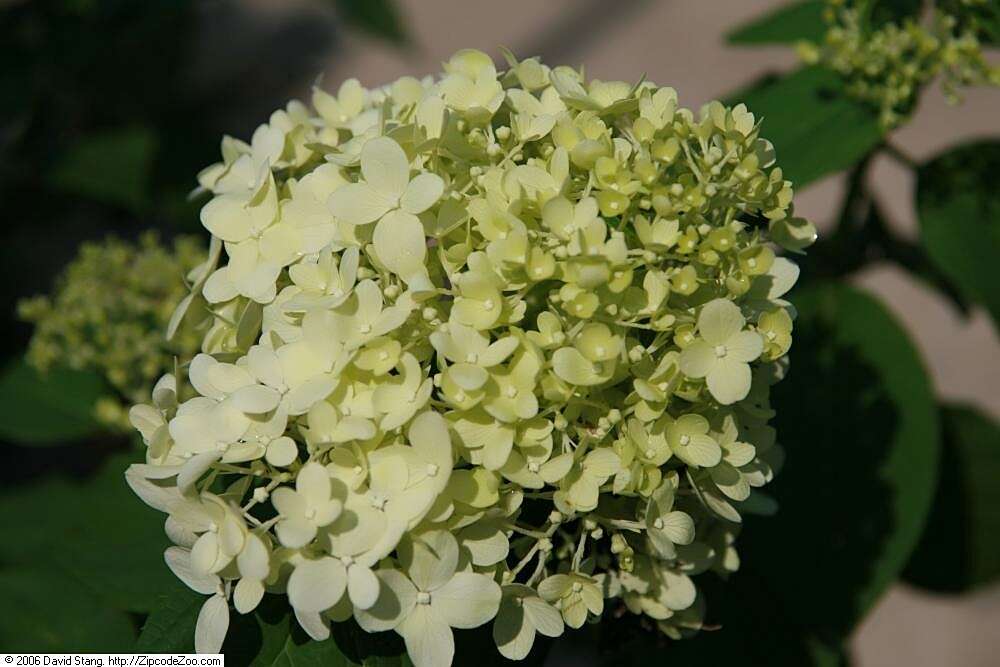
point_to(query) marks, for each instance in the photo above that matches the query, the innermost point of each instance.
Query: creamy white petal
(255, 399)
(546, 618)
(213, 623)
(179, 562)
(513, 633)
(729, 381)
(247, 594)
(194, 468)
(385, 167)
(422, 193)
(744, 346)
(316, 585)
(314, 624)
(359, 204)
(400, 243)
(697, 359)
(429, 640)
(468, 600)
(362, 586)
(396, 599)
(430, 558)
(718, 320)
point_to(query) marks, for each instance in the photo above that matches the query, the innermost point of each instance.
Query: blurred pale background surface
(681, 43)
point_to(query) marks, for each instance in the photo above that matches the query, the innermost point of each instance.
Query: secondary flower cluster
(107, 314)
(491, 346)
(888, 66)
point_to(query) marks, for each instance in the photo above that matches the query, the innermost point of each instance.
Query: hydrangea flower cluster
(492, 346)
(888, 66)
(107, 314)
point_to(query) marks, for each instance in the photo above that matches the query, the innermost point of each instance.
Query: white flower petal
(295, 532)
(468, 600)
(396, 599)
(317, 585)
(400, 244)
(314, 624)
(213, 623)
(253, 560)
(428, 434)
(359, 204)
(179, 562)
(194, 468)
(313, 483)
(422, 193)
(362, 586)
(729, 381)
(385, 167)
(546, 618)
(486, 542)
(205, 554)
(159, 497)
(429, 640)
(281, 452)
(513, 633)
(430, 558)
(697, 359)
(745, 346)
(247, 594)
(678, 527)
(718, 320)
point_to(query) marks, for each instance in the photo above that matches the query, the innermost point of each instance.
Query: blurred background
(108, 109)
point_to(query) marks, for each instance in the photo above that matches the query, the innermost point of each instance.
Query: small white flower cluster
(491, 346)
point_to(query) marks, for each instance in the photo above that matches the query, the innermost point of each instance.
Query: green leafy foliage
(751, 626)
(880, 12)
(982, 18)
(44, 410)
(169, 628)
(786, 24)
(803, 20)
(112, 167)
(859, 424)
(379, 18)
(816, 130)
(48, 611)
(958, 206)
(94, 532)
(962, 539)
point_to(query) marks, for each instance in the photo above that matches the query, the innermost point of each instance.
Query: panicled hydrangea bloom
(492, 346)
(107, 314)
(888, 66)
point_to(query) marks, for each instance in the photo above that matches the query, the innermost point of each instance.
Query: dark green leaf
(982, 19)
(750, 626)
(97, 531)
(47, 409)
(46, 611)
(376, 17)
(113, 167)
(958, 206)
(274, 639)
(785, 25)
(170, 625)
(803, 20)
(815, 128)
(859, 423)
(960, 548)
(880, 12)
